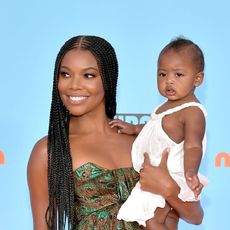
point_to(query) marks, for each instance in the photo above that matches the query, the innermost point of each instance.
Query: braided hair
(60, 173)
(194, 50)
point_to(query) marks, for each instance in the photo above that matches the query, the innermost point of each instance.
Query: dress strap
(183, 106)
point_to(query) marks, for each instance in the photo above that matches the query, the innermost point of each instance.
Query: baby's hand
(194, 183)
(123, 127)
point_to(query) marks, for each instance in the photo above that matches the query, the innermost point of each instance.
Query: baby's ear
(199, 79)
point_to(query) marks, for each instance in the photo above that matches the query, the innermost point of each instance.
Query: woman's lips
(77, 99)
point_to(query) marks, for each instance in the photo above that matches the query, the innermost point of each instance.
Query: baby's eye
(179, 74)
(64, 74)
(89, 75)
(161, 74)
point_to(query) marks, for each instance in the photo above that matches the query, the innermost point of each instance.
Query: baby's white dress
(140, 205)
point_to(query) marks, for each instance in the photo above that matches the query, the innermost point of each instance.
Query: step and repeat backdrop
(32, 33)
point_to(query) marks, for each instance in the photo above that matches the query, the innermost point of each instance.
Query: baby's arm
(194, 129)
(125, 127)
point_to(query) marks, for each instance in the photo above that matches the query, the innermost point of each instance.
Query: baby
(177, 124)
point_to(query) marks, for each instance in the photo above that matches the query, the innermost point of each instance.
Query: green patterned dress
(99, 194)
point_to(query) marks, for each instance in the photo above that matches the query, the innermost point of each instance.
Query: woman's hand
(157, 179)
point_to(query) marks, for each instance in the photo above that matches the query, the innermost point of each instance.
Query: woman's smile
(77, 99)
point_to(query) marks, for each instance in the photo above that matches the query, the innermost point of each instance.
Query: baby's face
(176, 75)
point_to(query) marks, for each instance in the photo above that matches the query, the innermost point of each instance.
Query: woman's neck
(88, 124)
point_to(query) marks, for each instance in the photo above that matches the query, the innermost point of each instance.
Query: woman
(81, 172)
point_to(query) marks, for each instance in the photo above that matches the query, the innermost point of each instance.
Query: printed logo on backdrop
(133, 118)
(222, 159)
(2, 158)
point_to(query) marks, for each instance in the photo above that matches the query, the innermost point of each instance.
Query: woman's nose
(76, 82)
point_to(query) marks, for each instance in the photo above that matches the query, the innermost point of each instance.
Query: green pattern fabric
(100, 192)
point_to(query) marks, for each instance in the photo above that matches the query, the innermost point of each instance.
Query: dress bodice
(99, 194)
(153, 139)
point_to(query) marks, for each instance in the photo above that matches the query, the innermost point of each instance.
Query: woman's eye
(89, 75)
(64, 74)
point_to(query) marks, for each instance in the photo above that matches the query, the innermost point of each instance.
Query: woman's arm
(38, 184)
(158, 180)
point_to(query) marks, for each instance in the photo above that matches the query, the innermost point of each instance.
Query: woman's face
(80, 84)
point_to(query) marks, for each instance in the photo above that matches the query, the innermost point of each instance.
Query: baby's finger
(197, 191)
(199, 188)
(114, 125)
(196, 182)
(115, 121)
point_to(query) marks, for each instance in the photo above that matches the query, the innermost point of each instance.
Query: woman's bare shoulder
(126, 139)
(41, 144)
(124, 143)
(37, 180)
(39, 154)
(129, 138)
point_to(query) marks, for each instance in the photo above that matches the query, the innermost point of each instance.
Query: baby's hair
(60, 171)
(181, 43)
